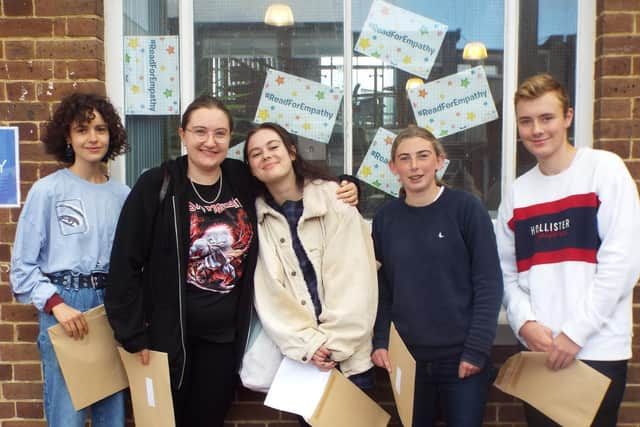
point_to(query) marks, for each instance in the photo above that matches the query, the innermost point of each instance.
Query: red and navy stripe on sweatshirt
(558, 231)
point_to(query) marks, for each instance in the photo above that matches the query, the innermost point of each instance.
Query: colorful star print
(364, 43)
(366, 171)
(280, 80)
(263, 114)
(464, 82)
(320, 95)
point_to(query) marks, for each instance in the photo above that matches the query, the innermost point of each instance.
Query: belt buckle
(94, 281)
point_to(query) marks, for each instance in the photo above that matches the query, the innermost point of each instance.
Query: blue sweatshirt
(440, 280)
(67, 223)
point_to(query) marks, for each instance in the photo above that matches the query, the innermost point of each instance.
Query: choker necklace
(202, 198)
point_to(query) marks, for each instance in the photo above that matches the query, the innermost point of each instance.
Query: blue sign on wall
(9, 168)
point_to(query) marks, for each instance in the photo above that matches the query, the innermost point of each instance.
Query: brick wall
(49, 48)
(617, 128)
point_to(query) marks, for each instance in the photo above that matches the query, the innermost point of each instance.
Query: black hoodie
(145, 296)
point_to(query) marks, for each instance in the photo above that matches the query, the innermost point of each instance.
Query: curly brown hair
(79, 108)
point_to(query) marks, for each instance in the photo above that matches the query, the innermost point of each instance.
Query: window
(226, 50)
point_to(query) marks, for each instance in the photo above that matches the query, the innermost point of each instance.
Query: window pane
(547, 45)
(234, 48)
(380, 98)
(152, 138)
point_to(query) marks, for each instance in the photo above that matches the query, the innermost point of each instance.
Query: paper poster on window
(401, 38)
(374, 169)
(453, 103)
(9, 167)
(236, 152)
(151, 75)
(301, 106)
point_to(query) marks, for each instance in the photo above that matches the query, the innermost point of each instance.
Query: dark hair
(79, 108)
(205, 101)
(302, 169)
(536, 86)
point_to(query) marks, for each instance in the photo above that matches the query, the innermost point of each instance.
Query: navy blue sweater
(440, 280)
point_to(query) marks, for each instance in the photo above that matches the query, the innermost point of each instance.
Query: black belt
(70, 279)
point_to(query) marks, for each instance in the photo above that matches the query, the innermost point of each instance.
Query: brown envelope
(402, 376)
(150, 389)
(343, 404)
(91, 366)
(570, 396)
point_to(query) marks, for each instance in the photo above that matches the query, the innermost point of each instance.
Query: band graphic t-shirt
(219, 234)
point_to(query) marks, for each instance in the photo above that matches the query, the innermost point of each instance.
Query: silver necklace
(202, 198)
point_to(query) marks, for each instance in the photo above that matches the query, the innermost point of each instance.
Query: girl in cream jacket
(315, 279)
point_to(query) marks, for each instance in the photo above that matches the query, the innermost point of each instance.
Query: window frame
(584, 93)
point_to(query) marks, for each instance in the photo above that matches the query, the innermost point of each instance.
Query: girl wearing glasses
(182, 266)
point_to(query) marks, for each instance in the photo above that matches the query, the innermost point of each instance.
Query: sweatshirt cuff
(474, 357)
(54, 300)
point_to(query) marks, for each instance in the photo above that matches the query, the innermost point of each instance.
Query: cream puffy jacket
(338, 243)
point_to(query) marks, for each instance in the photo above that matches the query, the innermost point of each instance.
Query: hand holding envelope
(110, 369)
(570, 396)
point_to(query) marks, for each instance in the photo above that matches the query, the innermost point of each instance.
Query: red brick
(6, 373)
(89, 69)
(611, 5)
(7, 410)
(617, 129)
(29, 423)
(622, 147)
(8, 231)
(510, 413)
(613, 108)
(27, 372)
(21, 91)
(31, 111)
(61, 90)
(6, 333)
(635, 153)
(616, 45)
(34, 152)
(5, 293)
(18, 313)
(26, 70)
(29, 410)
(68, 7)
(27, 332)
(629, 414)
(85, 27)
(20, 391)
(631, 393)
(19, 352)
(29, 27)
(60, 27)
(60, 70)
(615, 23)
(610, 66)
(48, 168)
(618, 87)
(18, 8)
(634, 170)
(73, 49)
(27, 131)
(19, 49)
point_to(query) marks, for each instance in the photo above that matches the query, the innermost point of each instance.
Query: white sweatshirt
(569, 254)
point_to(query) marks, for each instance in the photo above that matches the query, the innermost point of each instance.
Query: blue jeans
(463, 399)
(607, 415)
(58, 408)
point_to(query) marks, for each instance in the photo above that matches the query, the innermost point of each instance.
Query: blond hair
(536, 86)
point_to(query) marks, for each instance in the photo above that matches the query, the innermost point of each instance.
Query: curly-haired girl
(63, 241)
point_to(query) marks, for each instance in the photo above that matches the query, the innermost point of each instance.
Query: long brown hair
(303, 170)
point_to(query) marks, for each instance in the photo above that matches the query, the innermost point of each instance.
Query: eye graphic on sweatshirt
(71, 217)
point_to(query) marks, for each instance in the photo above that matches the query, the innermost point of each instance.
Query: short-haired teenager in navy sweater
(440, 283)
